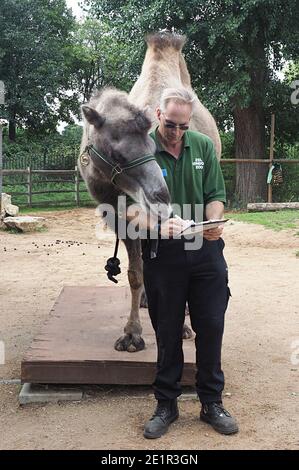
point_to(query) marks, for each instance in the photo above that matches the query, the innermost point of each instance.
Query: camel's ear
(142, 122)
(92, 116)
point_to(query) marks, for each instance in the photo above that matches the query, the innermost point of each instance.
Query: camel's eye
(115, 135)
(118, 157)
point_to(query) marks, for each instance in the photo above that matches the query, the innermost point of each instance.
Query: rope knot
(112, 268)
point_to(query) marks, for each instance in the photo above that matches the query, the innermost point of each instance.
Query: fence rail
(270, 161)
(30, 173)
(77, 179)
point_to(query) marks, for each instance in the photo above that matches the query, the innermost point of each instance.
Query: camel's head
(118, 130)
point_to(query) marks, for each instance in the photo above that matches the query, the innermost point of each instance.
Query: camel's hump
(165, 39)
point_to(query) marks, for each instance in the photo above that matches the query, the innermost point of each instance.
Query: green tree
(35, 42)
(233, 52)
(99, 58)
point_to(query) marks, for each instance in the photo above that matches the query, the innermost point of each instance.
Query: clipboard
(201, 226)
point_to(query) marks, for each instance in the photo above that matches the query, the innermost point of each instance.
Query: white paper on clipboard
(201, 226)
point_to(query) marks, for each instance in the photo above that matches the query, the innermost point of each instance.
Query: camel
(117, 154)
(164, 66)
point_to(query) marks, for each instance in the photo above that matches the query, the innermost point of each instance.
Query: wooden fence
(268, 161)
(75, 174)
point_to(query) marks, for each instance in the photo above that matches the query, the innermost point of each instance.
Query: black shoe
(166, 412)
(217, 416)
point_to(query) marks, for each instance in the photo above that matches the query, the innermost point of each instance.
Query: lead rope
(112, 266)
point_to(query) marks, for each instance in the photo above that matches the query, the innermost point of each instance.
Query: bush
(42, 152)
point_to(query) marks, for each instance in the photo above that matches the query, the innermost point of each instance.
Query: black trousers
(199, 277)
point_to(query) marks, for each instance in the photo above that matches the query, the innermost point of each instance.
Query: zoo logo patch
(198, 164)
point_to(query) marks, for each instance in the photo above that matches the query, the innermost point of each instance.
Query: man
(175, 275)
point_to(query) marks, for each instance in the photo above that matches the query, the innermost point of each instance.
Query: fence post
(271, 154)
(1, 182)
(77, 186)
(29, 183)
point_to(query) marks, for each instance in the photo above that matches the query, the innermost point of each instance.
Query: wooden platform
(75, 345)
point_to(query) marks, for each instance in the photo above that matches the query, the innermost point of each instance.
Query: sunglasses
(171, 125)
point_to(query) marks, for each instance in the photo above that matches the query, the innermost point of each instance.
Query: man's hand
(172, 227)
(213, 233)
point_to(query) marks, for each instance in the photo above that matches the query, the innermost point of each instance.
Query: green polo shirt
(195, 177)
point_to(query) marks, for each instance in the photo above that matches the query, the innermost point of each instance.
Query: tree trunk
(251, 184)
(12, 130)
(272, 206)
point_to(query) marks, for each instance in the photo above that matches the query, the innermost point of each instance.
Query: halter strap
(117, 169)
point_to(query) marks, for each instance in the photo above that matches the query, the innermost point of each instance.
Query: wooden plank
(53, 172)
(244, 160)
(14, 172)
(258, 160)
(54, 191)
(76, 343)
(61, 181)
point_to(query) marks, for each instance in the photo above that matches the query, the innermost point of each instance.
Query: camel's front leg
(132, 341)
(187, 332)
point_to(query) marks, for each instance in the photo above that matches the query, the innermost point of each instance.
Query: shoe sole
(227, 432)
(156, 436)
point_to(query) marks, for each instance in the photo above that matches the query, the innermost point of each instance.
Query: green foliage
(50, 64)
(48, 151)
(288, 191)
(292, 72)
(232, 45)
(234, 50)
(99, 58)
(34, 48)
(228, 169)
(280, 220)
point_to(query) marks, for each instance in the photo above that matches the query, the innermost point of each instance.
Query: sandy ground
(260, 351)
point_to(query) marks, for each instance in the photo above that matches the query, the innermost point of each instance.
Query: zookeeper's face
(174, 121)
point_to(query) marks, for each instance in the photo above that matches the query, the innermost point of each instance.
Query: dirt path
(260, 359)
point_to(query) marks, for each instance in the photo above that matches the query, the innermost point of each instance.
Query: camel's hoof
(143, 300)
(187, 332)
(130, 343)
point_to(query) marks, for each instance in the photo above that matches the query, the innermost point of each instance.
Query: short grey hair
(178, 95)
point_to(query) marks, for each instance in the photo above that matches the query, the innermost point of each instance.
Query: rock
(25, 223)
(7, 207)
(5, 200)
(2, 224)
(11, 210)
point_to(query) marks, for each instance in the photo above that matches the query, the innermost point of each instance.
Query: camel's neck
(163, 60)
